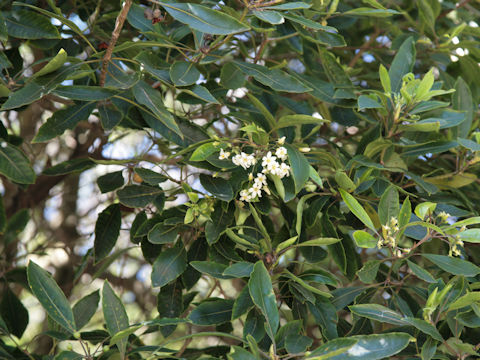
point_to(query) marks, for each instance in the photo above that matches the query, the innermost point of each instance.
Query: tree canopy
(239, 179)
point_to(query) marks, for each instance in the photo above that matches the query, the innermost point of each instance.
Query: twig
(116, 33)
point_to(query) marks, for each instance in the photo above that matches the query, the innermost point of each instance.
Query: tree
(239, 179)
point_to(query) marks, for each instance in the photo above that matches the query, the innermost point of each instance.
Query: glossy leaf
(85, 308)
(263, 296)
(402, 63)
(453, 265)
(107, 229)
(357, 209)
(204, 19)
(169, 265)
(138, 195)
(212, 312)
(218, 187)
(29, 25)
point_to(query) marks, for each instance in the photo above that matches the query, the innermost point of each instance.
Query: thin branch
(116, 33)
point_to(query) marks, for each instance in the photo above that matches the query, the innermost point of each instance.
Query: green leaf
(298, 119)
(150, 177)
(169, 265)
(123, 335)
(138, 195)
(378, 313)
(15, 165)
(29, 25)
(300, 167)
(220, 221)
(421, 273)
(218, 187)
(85, 308)
(362, 347)
(116, 318)
(389, 207)
(152, 99)
(466, 300)
(202, 93)
(212, 312)
(242, 304)
(238, 353)
(54, 64)
(184, 73)
(366, 102)
(239, 270)
(425, 209)
(309, 23)
(364, 239)
(84, 93)
(107, 229)
(276, 79)
(70, 166)
(469, 144)
(37, 88)
(405, 213)
(263, 296)
(429, 349)
(453, 265)
(363, 11)
(368, 272)
(424, 327)
(385, 79)
(62, 120)
(204, 19)
(470, 235)
(13, 314)
(433, 147)
(305, 285)
(210, 268)
(296, 344)
(447, 120)
(110, 181)
(50, 296)
(356, 209)
(321, 241)
(231, 77)
(292, 5)
(462, 100)
(3, 30)
(332, 348)
(402, 63)
(203, 152)
(271, 17)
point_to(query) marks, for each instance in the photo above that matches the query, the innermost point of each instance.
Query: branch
(116, 33)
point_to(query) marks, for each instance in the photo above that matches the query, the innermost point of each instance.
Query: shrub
(239, 179)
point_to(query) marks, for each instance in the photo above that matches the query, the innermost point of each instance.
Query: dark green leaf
(29, 25)
(62, 120)
(300, 167)
(184, 73)
(152, 99)
(169, 265)
(14, 314)
(421, 273)
(212, 312)
(357, 209)
(50, 296)
(462, 101)
(15, 165)
(107, 229)
(434, 147)
(368, 272)
(110, 181)
(84, 93)
(116, 318)
(262, 294)
(402, 63)
(389, 206)
(70, 166)
(85, 308)
(204, 19)
(138, 195)
(453, 265)
(218, 187)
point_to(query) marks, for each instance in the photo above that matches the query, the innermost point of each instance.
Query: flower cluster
(454, 245)
(273, 164)
(244, 160)
(389, 233)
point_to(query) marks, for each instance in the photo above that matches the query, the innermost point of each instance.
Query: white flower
(268, 159)
(304, 149)
(283, 170)
(250, 177)
(281, 141)
(244, 196)
(261, 179)
(244, 160)
(281, 153)
(255, 190)
(223, 155)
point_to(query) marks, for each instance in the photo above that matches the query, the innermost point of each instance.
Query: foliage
(240, 179)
